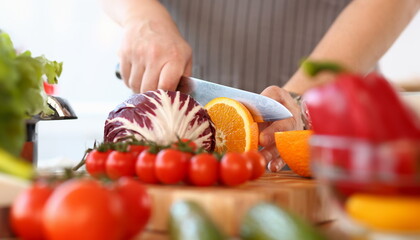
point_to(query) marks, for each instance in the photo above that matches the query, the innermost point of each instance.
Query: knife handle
(118, 71)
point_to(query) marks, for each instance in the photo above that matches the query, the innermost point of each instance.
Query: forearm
(124, 12)
(359, 37)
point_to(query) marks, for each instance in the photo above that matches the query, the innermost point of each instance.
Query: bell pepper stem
(312, 68)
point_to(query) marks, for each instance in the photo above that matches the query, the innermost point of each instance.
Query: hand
(267, 129)
(153, 55)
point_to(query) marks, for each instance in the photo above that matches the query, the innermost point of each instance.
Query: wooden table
(227, 205)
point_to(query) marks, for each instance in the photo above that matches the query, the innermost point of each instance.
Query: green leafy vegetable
(22, 92)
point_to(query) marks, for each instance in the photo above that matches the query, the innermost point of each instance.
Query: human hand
(153, 55)
(267, 129)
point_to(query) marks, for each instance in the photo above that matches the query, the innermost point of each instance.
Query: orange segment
(236, 130)
(293, 147)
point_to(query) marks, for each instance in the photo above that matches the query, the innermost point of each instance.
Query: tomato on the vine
(145, 167)
(203, 170)
(83, 209)
(235, 169)
(171, 165)
(136, 149)
(120, 164)
(27, 209)
(137, 204)
(185, 145)
(258, 163)
(96, 162)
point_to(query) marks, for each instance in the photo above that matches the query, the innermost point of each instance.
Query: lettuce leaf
(22, 92)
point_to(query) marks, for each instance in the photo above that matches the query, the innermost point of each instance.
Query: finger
(278, 94)
(276, 165)
(261, 127)
(136, 78)
(294, 123)
(125, 69)
(267, 135)
(150, 79)
(188, 69)
(170, 75)
(270, 153)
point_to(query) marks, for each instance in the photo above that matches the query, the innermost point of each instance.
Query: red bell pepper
(361, 107)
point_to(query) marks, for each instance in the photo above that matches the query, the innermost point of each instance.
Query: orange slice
(293, 147)
(236, 130)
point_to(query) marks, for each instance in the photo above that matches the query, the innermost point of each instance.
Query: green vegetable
(189, 221)
(22, 93)
(266, 221)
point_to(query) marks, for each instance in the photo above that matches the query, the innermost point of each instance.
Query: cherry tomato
(171, 166)
(235, 169)
(145, 167)
(137, 205)
(185, 144)
(203, 170)
(120, 164)
(136, 149)
(96, 163)
(258, 163)
(26, 212)
(83, 209)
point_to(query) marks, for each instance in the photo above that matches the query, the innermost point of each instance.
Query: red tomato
(83, 209)
(235, 169)
(49, 88)
(96, 163)
(258, 163)
(203, 170)
(185, 144)
(136, 149)
(137, 205)
(187, 179)
(145, 167)
(171, 166)
(121, 164)
(26, 212)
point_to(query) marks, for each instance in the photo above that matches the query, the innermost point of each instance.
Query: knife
(262, 108)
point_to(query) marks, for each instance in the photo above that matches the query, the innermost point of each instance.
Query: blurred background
(79, 34)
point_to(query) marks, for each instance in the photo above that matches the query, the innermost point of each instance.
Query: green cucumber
(266, 221)
(189, 221)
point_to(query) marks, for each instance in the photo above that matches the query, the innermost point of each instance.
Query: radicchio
(162, 117)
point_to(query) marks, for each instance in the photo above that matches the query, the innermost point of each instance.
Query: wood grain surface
(227, 205)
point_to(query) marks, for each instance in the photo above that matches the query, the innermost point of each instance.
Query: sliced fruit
(386, 213)
(293, 147)
(266, 221)
(236, 130)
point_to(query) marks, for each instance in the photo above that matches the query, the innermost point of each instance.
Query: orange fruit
(293, 147)
(236, 130)
(386, 213)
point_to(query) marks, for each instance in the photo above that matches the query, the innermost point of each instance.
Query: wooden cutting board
(227, 205)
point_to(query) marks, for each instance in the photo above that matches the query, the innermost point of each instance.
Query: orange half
(236, 130)
(293, 147)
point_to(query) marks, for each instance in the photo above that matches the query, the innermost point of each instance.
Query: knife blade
(262, 108)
